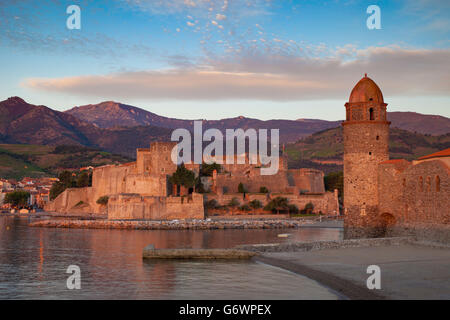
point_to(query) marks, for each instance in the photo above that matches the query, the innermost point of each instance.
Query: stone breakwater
(172, 225)
(323, 245)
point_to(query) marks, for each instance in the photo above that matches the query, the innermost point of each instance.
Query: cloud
(220, 16)
(398, 71)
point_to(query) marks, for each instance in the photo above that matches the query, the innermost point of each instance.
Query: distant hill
(324, 150)
(18, 161)
(111, 114)
(24, 123)
(421, 123)
(120, 129)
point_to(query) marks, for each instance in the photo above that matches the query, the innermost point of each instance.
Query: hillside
(421, 123)
(24, 123)
(112, 114)
(324, 150)
(130, 127)
(18, 161)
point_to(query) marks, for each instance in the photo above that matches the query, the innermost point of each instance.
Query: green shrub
(211, 204)
(103, 200)
(241, 188)
(234, 203)
(263, 190)
(279, 204)
(309, 208)
(245, 207)
(79, 203)
(255, 204)
(293, 209)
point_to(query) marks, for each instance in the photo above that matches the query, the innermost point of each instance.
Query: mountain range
(120, 128)
(111, 114)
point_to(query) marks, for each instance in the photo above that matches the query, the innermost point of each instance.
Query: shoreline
(207, 224)
(345, 289)
(341, 266)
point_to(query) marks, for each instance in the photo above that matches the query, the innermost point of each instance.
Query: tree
(241, 188)
(244, 207)
(309, 208)
(83, 180)
(263, 190)
(207, 169)
(278, 204)
(211, 204)
(335, 180)
(183, 177)
(255, 204)
(234, 203)
(66, 180)
(293, 209)
(17, 199)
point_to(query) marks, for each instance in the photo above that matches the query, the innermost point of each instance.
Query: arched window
(371, 114)
(421, 184)
(438, 184)
(428, 184)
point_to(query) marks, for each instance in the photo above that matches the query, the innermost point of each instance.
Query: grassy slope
(327, 146)
(17, 161)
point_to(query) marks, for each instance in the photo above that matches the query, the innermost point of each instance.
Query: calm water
(33, 264)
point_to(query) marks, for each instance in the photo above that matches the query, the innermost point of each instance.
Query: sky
(207, 59)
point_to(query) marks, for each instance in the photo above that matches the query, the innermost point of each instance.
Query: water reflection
(33, 263)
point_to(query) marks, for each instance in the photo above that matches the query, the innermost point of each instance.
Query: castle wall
(274, 183)
(136, 206)
(309, 180)
(418, 199)
(326, 203)
(68, 200)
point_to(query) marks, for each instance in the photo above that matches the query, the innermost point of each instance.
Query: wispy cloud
(399, 71)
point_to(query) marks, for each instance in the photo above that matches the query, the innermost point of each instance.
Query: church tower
(366, 139)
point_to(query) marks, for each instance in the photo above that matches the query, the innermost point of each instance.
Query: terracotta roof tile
(442, 153)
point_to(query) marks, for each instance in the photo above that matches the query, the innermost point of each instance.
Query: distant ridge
(111, 114)
(120, 129)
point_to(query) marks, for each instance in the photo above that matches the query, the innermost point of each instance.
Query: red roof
(443, 153)
(394, 161)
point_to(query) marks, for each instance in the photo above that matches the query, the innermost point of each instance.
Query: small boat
(284, 235)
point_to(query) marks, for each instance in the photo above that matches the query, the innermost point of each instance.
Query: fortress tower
(366, 139)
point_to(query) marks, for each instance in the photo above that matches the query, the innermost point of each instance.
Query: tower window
(371, 114)
(421, 184)
(370, 153)
(378, 137)
(438, 184)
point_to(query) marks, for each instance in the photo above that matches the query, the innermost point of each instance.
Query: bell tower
(366, 140)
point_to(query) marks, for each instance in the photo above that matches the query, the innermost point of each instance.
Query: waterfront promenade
(408, 270)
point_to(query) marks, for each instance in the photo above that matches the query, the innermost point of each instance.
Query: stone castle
(383, 196)
(141, 189)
